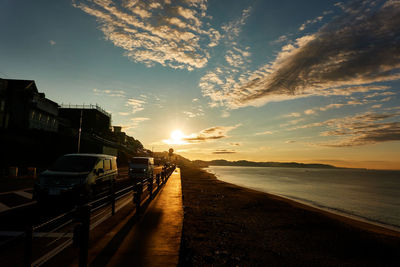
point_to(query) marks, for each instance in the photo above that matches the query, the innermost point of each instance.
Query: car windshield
(74, 164)
(139, 161)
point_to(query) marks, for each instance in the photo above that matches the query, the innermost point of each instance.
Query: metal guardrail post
(84, 216)
(137, 196)
(151, 187)
(112, 196)
(28, 245)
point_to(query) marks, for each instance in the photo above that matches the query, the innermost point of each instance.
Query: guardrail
(46, 240)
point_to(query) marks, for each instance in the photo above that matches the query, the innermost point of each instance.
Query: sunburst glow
(177, 137)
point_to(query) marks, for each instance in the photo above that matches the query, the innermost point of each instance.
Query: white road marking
(23, 194)
(3, 207)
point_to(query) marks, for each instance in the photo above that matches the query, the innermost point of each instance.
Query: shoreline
(225, 224)
(359, 221)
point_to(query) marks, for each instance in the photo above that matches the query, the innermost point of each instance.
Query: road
(55, 225)
(20, 210)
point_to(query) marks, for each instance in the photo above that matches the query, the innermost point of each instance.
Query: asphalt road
(13, 223)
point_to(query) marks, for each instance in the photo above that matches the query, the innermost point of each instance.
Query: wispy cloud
(206, 135)
(134, 123)
(107, 92)
(360, 129)
(196, 111)
(264, 133)
(225, 114)
(171, 33)
(233, 28)
(310, 21)
(345, 56)
(224, 151)
(235, 144)
(136, 105)
(353, 102)
(210, 134)
(293, 114)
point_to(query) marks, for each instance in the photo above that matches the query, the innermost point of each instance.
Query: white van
(77, 177)
(141, 167)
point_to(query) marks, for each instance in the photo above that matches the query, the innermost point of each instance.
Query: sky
(306, 81)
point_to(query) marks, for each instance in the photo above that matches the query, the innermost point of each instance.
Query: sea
(366, 195)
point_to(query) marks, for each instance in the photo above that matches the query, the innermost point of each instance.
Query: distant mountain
(222, 162)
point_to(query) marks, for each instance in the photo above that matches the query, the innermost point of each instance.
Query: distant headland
(245, 163)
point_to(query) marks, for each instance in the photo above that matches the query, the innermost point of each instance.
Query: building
(22, 107)
(119, 135)
(94, 118)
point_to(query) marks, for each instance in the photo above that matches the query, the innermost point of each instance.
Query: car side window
(107, 164)
(99, 165)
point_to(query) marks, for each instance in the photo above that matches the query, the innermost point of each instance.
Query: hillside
(222, 162)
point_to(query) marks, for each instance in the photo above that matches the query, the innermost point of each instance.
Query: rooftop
(89, 106)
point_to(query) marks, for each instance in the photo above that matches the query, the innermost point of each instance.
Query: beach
(225, 224)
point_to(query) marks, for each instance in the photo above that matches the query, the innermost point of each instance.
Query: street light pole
(80, 131)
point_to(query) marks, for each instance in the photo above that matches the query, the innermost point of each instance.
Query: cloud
(51, 42)
(192, 114)
(237, 57)
(224, 151)
(206, 135)
(196, 112)
(264, 133)
(210, 134)
(371, 134)
(350, 53)
(170, 33)
(310, 21)
(136, 105)
(281, 39)
(354, 102)
(233, 28)
(235, 144)
(293, 114)
(360, 129)
(107, 92)
(377, 106)
(225, 114)
(135, 123)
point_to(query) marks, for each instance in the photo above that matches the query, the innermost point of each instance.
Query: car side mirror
(100, 171)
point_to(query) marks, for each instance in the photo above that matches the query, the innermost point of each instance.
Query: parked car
(141, 168)
(77, 177)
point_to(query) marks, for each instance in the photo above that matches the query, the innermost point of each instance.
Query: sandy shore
(228, 225)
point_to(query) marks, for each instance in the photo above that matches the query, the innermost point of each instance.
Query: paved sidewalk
(155, 239)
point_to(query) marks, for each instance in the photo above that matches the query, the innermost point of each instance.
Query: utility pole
(80, 131)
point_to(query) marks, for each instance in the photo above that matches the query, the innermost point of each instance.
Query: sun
(176, 136)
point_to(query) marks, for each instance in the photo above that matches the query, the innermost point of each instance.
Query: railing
(44, 241)
(89, 106)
